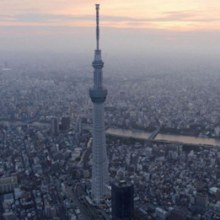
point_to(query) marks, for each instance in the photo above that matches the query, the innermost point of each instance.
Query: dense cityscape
(46, 145)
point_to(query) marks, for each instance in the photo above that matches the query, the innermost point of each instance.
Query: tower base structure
(99, 154)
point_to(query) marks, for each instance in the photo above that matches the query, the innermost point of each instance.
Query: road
(87, 211)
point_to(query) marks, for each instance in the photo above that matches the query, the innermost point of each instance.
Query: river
(20, 123)
(171, 138)
(139, 134)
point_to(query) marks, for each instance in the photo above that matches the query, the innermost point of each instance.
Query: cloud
(165, 19)
(173, 16)
(40, 17)
(193, 16)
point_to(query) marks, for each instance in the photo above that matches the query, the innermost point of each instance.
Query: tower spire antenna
(97, 26)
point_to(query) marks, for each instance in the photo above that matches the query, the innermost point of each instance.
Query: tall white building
(98, 96)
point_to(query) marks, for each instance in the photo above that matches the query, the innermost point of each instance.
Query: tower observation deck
(98, 96)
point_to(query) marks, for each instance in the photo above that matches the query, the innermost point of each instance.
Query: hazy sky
(162, 14)
(60, 25)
